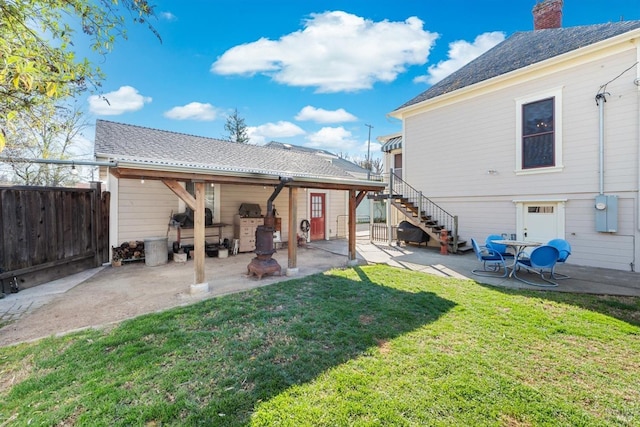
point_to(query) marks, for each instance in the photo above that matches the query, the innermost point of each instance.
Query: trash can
(156, 251)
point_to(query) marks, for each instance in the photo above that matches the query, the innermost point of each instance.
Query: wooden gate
(47, 233)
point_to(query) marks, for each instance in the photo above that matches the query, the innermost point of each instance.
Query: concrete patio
(111, 294)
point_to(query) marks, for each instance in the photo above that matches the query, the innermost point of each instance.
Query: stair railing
(426, 207)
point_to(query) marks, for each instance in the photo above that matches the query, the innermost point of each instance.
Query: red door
(317, 216)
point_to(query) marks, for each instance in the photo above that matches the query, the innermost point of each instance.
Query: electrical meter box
(606, 214)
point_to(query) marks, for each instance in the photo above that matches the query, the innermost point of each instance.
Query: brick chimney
(547, 14)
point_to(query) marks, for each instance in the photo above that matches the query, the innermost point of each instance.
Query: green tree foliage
(236, 128)
(38, 63)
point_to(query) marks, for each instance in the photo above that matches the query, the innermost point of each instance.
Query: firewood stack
(132, 250)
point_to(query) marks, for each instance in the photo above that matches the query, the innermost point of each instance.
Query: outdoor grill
(408, 232)
(250, 210)
(264, 263)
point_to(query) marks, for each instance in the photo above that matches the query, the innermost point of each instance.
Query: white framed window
(539, 133)
(211, 198)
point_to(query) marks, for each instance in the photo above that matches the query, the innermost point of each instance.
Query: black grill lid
(250, 210)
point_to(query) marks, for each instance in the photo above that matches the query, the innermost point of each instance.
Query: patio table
(518, 246)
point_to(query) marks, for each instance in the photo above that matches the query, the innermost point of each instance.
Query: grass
(365, 346)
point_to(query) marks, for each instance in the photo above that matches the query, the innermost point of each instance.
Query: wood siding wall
(48, 233)
(144, 209)
(449, 150)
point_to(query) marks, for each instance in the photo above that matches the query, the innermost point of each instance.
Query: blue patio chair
(564, 248)
(541, 259)
(501, 249)
(491, 261)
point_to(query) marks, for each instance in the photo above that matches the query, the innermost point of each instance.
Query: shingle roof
(344, 164)
(146, 146)
(282, 145)
(523, 49)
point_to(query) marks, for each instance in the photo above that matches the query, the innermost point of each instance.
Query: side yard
(364, 345)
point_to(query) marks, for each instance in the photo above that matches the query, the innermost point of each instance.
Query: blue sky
(306, 72)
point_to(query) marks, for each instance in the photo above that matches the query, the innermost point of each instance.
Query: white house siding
(336, 209)
(232, 196)
(450, 148)
(144, 210)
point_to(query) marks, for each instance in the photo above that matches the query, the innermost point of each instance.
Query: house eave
(555, 63)
(154, 170)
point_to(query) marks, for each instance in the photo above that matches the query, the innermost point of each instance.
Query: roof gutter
(111, 163)
(239, 174)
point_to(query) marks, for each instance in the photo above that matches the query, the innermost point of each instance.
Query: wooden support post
(352, 226)
(292, 246)
(198, 233)
(96, 212)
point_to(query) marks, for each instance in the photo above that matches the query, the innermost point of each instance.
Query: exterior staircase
(425, 214)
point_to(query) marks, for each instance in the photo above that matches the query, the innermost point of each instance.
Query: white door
(540, 222)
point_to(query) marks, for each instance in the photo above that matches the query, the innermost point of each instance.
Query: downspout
(600, 100)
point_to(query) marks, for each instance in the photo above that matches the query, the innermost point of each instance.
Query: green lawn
(366, 346)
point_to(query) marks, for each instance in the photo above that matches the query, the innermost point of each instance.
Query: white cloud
(320, 115)
(168, 16)
(123, 100)
(335, 52)
(282, 129)
(334, 139)
(461, 53)
(193, 111)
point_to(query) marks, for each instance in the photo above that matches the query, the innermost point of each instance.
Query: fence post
(371, 220)
(96, 213)
(455, 233)
(389, 236)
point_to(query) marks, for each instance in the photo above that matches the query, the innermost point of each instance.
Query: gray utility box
(606, 214)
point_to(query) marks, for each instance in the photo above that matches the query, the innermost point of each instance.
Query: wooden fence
(47, 233)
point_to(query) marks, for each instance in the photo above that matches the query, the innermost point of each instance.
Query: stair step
(426, 222)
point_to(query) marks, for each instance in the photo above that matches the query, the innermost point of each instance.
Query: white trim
(539, 200)
(560, 217)
(216, 201)
(114, 228)
(537, 171)
(637, 83)
(557, 63)
(556, 94)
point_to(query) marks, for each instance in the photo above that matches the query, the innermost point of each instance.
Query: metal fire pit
(264, 263)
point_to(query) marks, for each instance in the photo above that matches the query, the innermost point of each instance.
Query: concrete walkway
(229, 275)
(590, 280)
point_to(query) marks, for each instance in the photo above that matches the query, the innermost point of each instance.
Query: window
(539, 135)
(540, 209)
(209, 195)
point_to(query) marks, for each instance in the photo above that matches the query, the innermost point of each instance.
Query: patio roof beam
(180, 191)
(245, 180)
